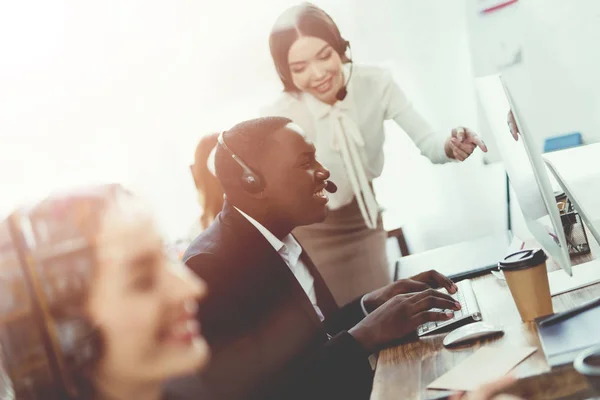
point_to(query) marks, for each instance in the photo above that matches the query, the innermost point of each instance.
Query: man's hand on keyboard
(400, 316)
(436, 280)
(418, 283)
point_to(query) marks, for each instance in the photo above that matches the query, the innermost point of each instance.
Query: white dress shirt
(349, 135)
(290, 250)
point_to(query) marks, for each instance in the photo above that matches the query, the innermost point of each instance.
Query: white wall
(557, 84)
(113, 90)
(425, 43)
(562, 62)
(123, 90)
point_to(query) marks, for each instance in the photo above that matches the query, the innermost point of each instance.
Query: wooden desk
(403, 372)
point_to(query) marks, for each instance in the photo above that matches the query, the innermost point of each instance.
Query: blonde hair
(210, 192)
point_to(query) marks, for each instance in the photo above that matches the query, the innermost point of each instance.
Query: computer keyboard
(469, 311)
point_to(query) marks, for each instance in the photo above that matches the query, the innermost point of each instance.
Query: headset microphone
(343, 92)
(330, 187)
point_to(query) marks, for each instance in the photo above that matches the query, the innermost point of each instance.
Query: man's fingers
(445, 282)
(431, 293)
(433, 299)
(436, 280)
(412, 286)
(430, 316)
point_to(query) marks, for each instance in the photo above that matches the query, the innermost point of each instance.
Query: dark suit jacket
(266, 338)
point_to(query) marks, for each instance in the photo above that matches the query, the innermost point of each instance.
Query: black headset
(343, 92)
(251, 181)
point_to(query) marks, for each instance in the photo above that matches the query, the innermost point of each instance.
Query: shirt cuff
(443, 156)
(362, 305)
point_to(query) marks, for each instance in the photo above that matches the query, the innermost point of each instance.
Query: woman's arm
(399, 108)
(438, 148)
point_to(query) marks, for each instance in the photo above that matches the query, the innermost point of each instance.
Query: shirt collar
(289, 245)
(320, 109)
(294, 250)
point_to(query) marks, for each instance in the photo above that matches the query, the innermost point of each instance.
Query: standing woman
(342, 108)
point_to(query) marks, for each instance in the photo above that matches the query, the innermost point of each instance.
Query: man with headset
(273, 326)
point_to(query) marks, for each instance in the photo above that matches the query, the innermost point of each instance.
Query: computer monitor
(526, 170)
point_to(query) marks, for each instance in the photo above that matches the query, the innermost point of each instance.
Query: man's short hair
(250, 141)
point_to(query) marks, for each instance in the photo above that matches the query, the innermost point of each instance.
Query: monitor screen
(525, 168)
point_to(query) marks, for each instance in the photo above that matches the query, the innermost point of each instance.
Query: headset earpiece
(250, 181)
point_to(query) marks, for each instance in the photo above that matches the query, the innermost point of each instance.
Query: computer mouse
(476, 330)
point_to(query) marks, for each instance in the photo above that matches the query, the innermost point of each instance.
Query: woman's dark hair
(56, 246)
(210, 192)
(302, 20)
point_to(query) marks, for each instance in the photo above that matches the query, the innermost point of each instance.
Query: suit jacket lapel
(258, 251)
(325, 299)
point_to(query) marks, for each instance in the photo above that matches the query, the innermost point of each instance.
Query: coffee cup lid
(522, 259)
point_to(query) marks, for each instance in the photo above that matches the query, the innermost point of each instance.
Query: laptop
(461, 260)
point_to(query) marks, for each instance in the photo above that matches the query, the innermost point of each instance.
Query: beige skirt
(351, 257)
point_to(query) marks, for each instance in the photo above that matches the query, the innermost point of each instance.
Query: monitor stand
(585, 274)
(579, 181)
